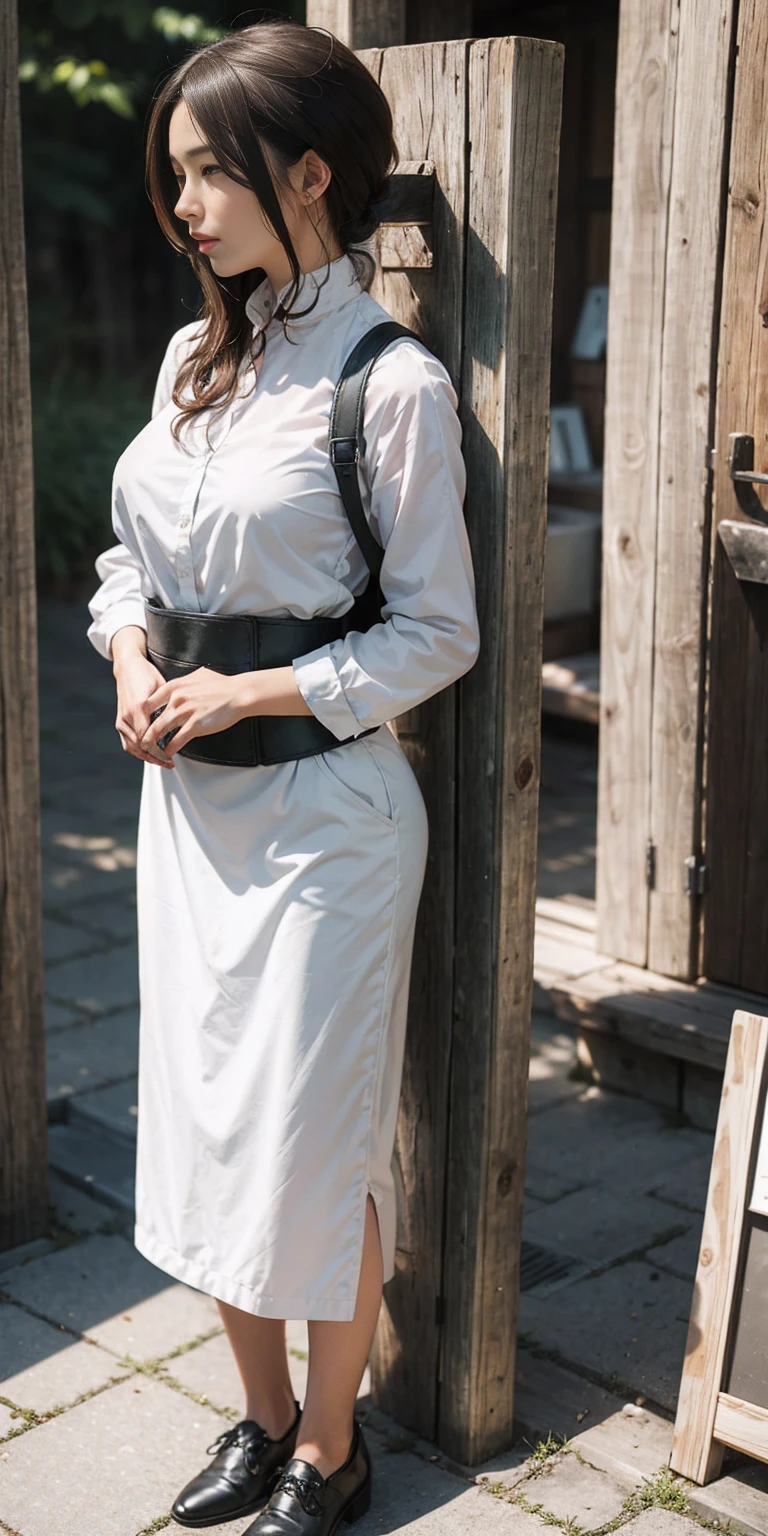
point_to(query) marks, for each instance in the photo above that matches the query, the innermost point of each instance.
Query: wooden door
(735, 932)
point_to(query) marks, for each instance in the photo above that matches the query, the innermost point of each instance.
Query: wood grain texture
(695, 1452)
(427, 91)
(742, 1425)
(686, 421)
(645, 95)
(515, 91)
(735, 946)
(23, 1124)
(360, 23)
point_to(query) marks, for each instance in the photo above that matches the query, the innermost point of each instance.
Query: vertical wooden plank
(645, 92)
(426, 87)
(360, 23)
(735, 917)
(695, 1454)
(691, 320)
(23, 1125)
(515, 89)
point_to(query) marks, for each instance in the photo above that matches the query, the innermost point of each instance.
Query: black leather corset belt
(179, 641)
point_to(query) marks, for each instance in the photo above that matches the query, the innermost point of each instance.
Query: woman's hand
(137, 680)
(196, 705)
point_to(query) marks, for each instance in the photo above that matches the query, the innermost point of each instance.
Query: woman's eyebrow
(193, 154)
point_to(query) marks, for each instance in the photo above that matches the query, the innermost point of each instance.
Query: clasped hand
(196, 705)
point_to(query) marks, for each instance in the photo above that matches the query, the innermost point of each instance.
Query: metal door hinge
(650, 865)
(696, 873)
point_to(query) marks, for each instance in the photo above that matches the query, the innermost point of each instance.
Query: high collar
(336, 281)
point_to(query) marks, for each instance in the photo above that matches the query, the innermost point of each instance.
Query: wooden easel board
(724, 1388)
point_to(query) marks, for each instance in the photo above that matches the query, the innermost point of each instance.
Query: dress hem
(244, 1297)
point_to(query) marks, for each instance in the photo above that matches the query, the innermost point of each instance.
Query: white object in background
(572, 566)
(568, 442)
(759, 1201)
(591, 334)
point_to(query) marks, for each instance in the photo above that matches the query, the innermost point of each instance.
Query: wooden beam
(23, 1125)
(427, 91)
(645, 95)
(515, 93)
(360, 23)
(696, 1453)
(686, 431)
(443, 1358)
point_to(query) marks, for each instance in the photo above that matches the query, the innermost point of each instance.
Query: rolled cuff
(318, 683)
(130, 610)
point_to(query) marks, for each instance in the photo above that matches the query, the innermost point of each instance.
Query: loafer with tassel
(304, 1503)
(244, 1470)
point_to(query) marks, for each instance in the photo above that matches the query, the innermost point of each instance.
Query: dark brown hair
(285, 88)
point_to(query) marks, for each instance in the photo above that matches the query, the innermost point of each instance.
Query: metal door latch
(695, 876)
(741, 461)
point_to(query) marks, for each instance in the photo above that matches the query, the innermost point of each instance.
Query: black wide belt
(179, 641)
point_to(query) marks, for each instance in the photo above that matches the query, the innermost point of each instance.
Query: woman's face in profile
(227, 219)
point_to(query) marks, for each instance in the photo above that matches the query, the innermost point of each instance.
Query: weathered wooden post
(466, 259)
(23, 1126)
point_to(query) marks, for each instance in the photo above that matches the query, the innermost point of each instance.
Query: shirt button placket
(185, 574)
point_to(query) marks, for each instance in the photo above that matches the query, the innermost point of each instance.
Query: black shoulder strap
(346, 427)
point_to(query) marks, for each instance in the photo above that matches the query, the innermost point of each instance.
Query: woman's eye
(209, 169)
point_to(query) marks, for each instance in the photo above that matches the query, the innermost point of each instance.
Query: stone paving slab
(688, 1186)
(741, 1497)
(681, 1256)
(569, 1490)
(591, 1324)
(67, 941)
(548, 1185)
(630, 1444)
(661, 1522)
(43, 1368)
(109, 1467)
(59, 1016)
(95, 1161)
(104, 1288)
(91, 1054)
(115, 919)
(601, 1225)
(74, 1210)
(601, 1134)
(102, 873)
(112, 1111)
(98, 983)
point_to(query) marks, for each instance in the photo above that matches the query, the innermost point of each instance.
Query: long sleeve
(120, 598)
(413, 484)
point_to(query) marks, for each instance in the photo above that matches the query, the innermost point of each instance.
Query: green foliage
(105, 290)
(80, 428)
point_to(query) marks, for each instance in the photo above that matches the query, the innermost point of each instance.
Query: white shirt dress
(276, 905)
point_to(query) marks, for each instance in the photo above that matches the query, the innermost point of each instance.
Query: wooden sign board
(724, 1389)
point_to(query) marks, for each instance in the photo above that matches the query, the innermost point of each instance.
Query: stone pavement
(615, 1192)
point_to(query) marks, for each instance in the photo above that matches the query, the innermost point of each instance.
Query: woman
(276, 904)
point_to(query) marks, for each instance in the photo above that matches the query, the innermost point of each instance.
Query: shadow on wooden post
(23, 1124)
(475, 281)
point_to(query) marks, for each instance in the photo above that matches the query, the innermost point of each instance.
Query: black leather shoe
(306, 1504)
(239, 1478)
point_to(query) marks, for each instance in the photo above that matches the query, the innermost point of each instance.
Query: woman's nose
(187, 205)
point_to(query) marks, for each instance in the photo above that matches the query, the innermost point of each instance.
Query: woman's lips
(204, 246)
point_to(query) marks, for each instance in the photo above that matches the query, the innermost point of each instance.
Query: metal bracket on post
(695, 876)
(741, 466)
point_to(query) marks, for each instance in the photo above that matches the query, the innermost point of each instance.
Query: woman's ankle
(327, 1450)
(276, 1416)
